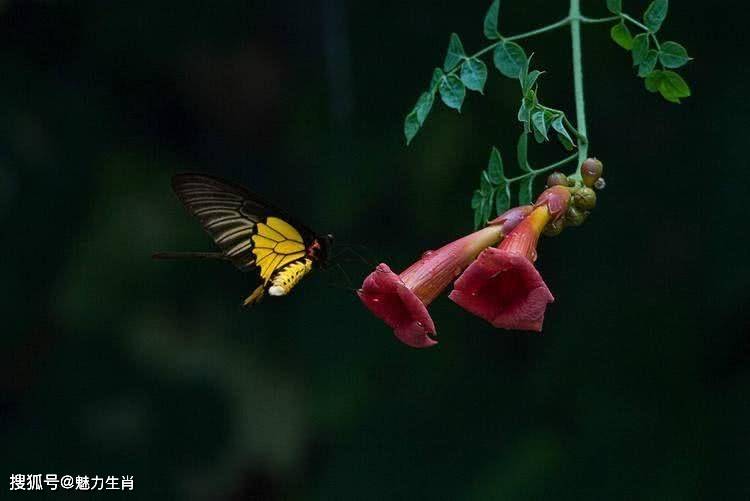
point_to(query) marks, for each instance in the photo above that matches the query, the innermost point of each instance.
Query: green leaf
(437, 76)
(487, 208)
(655, 14)
(411, 126)
(476, 199)
(510, 59)
(523, 112)
(525, 190)
(566, 142)
(455, 53)
(502, 198)
(531, 99)
(672, 87)
(653, 80)
(614, 6)
(452, 92)
(640, 48)
(562, 132)
(540, 123)
(522, 152)
(474, 74)
(495, 171)
(648, 64)
(530, 80)
(523, 76)
(528, 103)
(621, 35)
(423, 106)
(673, 55)
(485, 186)
(491, 21)
(479, 214)
(538, 136)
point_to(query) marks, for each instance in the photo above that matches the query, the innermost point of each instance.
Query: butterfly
(252, 234)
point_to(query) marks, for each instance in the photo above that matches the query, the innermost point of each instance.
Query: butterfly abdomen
(289, 276)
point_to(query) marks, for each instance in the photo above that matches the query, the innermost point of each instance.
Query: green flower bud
(575, 217)
(591, 170)
(557, 179)
(554, 228)
(584, 199)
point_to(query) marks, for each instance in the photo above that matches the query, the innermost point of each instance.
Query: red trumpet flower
(502, 286)
(401, 300)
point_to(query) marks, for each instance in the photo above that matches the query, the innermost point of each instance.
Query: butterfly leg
(255, 296)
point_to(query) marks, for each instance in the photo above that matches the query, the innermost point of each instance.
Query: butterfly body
(253, 234)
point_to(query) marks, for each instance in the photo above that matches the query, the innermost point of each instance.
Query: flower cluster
(493, 268)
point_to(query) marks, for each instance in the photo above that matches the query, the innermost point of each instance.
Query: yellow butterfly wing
(276, 243)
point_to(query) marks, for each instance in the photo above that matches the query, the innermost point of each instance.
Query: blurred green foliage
(115, 364)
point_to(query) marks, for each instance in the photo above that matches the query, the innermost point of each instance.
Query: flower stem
(575, 35)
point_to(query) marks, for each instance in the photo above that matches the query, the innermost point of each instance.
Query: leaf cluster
(654, 63)
(539, 119)
(459, 73)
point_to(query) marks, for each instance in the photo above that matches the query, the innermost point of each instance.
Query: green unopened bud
(591, 170)
(584, 198)
(557, 179)
(554, 228)
(575, 217)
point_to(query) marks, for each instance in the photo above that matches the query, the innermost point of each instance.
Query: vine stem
(590, 20)
(546, 168)
(635, 22)
(643, 27)
(550, 27)
(528, 34)
(575, 35)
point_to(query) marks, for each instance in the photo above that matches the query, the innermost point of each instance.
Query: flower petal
(505, 289)
(386, 296)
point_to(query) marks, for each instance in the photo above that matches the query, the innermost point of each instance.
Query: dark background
(112, 363)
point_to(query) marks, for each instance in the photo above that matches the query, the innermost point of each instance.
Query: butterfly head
(320, 250)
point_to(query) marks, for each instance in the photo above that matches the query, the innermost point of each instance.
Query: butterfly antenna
(190, 255)
(350, 249)
(349, 287)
